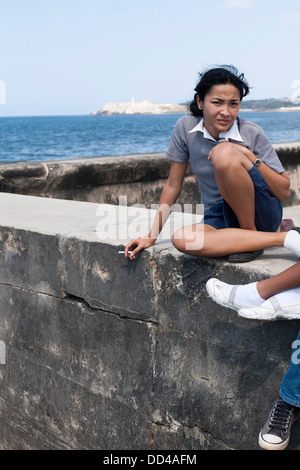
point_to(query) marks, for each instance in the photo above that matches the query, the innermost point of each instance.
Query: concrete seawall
(138, 177)
(105, 353)
(98, 352)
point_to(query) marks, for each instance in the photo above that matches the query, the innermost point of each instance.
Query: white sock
(291, 296)
(292, 242)
(248, 294)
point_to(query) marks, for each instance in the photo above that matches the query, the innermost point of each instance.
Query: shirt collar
(232, 133)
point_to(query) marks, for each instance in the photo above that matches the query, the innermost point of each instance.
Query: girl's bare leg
(205, 241)
(231, 168)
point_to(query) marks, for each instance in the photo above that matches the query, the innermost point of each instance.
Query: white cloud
(237, 4)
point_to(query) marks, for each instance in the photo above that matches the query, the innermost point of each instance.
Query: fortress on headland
(140, 107)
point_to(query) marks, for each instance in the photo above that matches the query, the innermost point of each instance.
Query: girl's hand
(136, 245)
(210, 154)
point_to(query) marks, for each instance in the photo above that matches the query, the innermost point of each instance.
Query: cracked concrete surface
(105, 353)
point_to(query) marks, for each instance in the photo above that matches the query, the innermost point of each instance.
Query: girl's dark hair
(217, 75)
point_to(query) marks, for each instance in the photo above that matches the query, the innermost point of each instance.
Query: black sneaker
(245, 257)
(275, 434)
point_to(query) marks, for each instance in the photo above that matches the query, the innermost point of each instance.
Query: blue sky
(72, 56)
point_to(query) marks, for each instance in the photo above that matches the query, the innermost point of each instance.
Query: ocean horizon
(41, 138)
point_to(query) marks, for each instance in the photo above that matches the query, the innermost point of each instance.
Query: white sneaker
(221, 293)
(272, 310)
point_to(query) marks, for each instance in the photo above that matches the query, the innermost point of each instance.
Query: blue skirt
(268, 209)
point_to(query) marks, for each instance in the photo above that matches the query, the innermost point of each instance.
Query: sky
(70, 57)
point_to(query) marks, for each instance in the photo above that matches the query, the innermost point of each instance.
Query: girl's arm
(278, 183)
(169, 196)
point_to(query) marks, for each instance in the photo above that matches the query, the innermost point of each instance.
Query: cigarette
(129, 252)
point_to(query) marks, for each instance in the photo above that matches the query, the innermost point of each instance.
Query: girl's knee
(223, 149)
(222, 155)
(178, 240)
(188, 240)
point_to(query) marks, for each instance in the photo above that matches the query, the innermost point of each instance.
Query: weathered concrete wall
(289, 155)
(105, 353)
(140, 178)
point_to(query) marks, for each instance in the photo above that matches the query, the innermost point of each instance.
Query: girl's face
(220, 108)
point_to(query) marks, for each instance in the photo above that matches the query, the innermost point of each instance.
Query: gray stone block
(98, 274)
(77, 377)
(30, 260)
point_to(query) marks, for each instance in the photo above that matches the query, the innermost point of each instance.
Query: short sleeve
(178, 148)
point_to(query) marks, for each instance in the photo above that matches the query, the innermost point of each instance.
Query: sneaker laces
(280, 417)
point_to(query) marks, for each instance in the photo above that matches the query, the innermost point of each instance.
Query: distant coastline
(276, 110)
(140, 107)
(267, 105)
(147, 107)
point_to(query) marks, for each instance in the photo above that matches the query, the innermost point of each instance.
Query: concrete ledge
(138, 177)
(105, 353)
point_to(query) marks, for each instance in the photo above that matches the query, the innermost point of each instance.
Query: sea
(42, 138)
